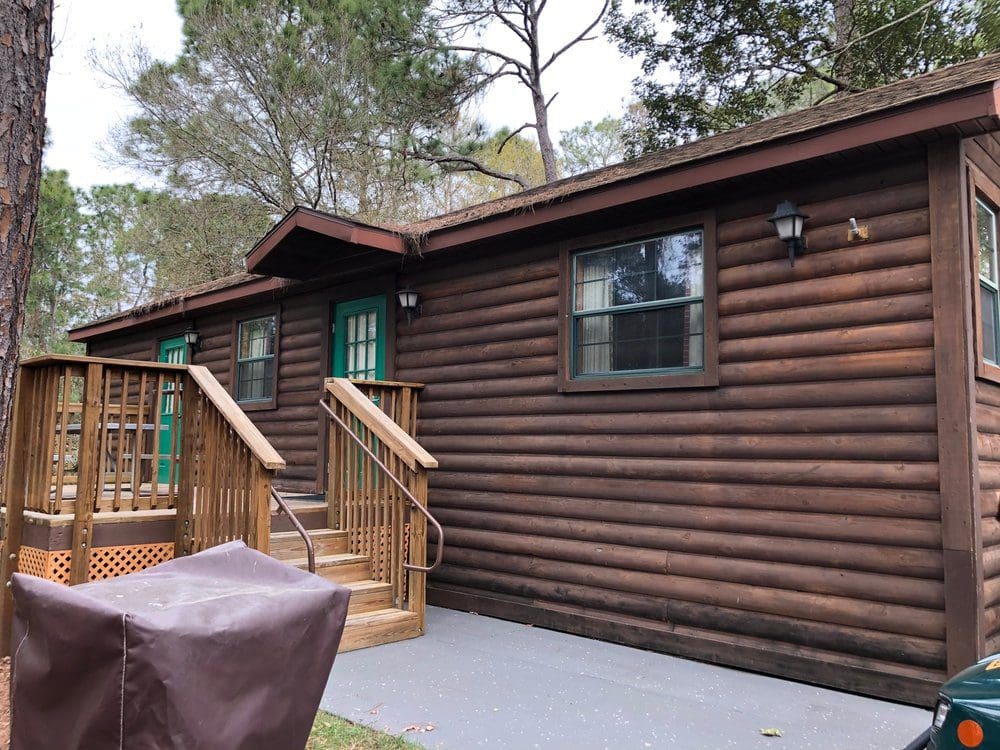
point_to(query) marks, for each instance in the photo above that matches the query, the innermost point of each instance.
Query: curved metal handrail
(406, 493)
(283, 507)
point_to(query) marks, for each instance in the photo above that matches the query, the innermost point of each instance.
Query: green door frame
(170, 432)
(344, 310)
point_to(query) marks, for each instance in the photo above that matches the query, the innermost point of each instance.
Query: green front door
(359, 339)
(173, 351)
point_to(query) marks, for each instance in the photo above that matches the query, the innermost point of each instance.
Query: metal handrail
(409, 495)
(283, 507)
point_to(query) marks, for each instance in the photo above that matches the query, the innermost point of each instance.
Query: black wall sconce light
(191, 338)
(788, 222)
(409, 300)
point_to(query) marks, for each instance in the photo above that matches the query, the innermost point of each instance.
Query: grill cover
(227, 648)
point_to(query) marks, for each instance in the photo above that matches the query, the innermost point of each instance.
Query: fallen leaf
(771, 732)
(419, 728)
(375, 709)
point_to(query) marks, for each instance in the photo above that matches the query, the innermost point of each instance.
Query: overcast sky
(592, 80)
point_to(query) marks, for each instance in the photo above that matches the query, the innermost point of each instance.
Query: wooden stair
(371, 617)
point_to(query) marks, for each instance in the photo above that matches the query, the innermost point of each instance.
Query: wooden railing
(379, 495)
(91, 435)
(398, 401)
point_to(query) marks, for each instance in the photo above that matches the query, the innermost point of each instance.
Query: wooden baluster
(64, 420)
(122, 442)
(104, 449)
(154, 481)
(177, 416)
(396, 557)
(89, 482)
(137, 443)
(15, 492)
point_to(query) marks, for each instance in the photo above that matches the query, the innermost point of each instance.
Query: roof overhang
(179, 308)
(307, 243)
(967, 113)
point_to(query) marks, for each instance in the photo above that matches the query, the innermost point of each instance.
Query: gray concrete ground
(486, 683)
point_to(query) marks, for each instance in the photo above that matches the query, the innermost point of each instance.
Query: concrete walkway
(482, 682)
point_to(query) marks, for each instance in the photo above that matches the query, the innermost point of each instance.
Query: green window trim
(256, 352)
(603, 312)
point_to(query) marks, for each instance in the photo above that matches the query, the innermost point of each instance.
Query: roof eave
(336, 227)
(965, 106)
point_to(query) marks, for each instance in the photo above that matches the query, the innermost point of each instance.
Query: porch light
(409, 300)
(788, 222)
(191, 338)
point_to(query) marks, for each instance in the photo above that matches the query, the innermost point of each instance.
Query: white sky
(592, 79)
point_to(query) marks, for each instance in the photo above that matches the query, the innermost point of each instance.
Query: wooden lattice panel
(105, 562)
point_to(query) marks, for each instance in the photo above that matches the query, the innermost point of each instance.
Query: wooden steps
(371, 618)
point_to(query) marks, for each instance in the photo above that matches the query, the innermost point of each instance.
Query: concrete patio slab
(487, 683)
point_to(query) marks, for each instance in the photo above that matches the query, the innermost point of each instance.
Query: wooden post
(14, 491)
(954, 367)
(189, 401)
(418, 549)
(90, 473)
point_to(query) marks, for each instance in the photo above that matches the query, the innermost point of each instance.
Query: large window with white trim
(989, 282)
(638, 308)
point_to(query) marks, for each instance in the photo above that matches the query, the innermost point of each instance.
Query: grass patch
(334, 733)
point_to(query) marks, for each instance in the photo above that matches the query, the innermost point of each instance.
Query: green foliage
(732, 62)
(334, 733)
(55, 299)
(292, 102)
(592, 145)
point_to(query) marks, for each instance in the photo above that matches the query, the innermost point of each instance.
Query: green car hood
(977, 687)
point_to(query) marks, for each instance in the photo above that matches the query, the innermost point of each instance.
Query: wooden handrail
(410, 497)
(79, 359)
(395, 437)
(247, 431)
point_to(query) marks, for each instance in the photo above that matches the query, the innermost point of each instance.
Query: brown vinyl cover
(227, 649)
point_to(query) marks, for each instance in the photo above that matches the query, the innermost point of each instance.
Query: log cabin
(657, 422)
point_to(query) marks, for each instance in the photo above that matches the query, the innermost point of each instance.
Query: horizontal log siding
(293, 427)
(787, 520)
(984, 153)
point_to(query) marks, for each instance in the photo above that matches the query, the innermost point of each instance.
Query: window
(255, 359)
(639, 309)
(989, 284)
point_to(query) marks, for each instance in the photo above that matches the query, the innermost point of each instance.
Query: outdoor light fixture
(409, 300)
(788, 221)
(191, 337)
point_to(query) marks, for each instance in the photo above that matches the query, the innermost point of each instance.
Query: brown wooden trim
(881, 126)
(240, 317)
(980, 186)
(335, 227)
(952, 274)
(709, 376)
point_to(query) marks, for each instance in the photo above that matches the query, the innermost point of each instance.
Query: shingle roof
(839, 111)
(983, 70)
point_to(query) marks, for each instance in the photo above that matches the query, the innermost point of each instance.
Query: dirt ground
(5, 702)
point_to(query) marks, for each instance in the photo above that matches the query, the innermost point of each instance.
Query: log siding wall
(788, 520)
(984, 154)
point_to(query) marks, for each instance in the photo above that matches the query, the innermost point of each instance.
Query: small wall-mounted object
(409, 300)
(788, 222)
(191, 338)
(856, 232)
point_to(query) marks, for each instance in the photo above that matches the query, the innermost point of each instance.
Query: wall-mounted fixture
(856, 232)
(409, 300)
(191, 338)
(788, 222)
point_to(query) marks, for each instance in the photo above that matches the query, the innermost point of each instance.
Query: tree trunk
(843, 32)
(544, 139)
(25, 48)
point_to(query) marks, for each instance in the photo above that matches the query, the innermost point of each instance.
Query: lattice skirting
(105, 562)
